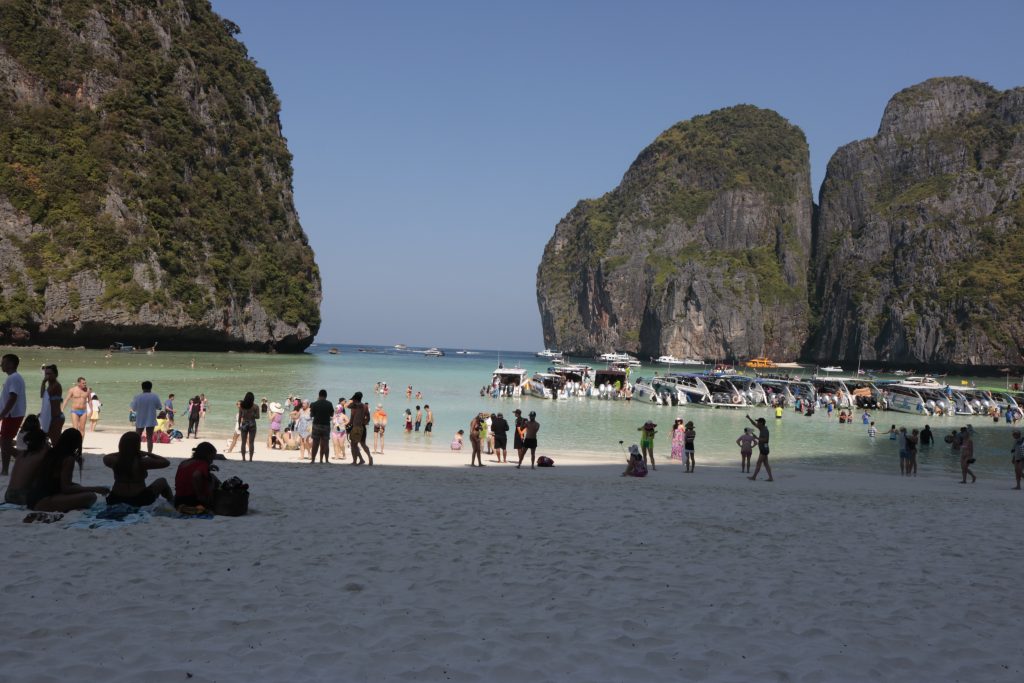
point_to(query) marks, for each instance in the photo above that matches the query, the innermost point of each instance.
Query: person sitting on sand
(130, 466)
(194, 482)
(53, 488)
(26, 464)
(457, 440)
(635, 465)
(30, 424)
(647, 431)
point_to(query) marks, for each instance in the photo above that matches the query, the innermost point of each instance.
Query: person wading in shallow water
(762, 448)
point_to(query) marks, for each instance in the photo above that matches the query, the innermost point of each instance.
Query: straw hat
(275, 407)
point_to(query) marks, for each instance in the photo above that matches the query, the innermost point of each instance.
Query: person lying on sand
(53, 489)
(130, 466)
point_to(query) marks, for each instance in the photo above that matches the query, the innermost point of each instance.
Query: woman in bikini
(130, 467)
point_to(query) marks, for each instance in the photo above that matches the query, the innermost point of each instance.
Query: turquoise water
(451, 386)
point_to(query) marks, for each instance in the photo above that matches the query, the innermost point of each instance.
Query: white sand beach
(423, 569)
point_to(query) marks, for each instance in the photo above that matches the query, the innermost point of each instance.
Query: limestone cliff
(145, 186)
(702, 249)
(917, 254)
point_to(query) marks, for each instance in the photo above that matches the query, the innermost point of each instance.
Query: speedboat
(508, 382)
(847, 392)
(546, 385)
(609, 382)
(669, 360)
(400, 347)
(789, 389)
(831, 368)
(434, 352)
(333, 351)
(759, 363)
(613, 357)
(548, 353)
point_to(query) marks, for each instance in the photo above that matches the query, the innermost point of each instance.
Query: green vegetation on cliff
(154, 143)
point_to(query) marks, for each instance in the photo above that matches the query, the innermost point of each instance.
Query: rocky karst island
(145, 185)
(713, 247)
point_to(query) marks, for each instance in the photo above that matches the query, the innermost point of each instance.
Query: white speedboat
(546, 385)
(434, 352)
(672, 360)
(831, 368)
(400, 347)
(548, 353)
(508, 382)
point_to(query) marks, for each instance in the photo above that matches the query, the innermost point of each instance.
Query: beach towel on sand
(103, 516)
(10, 506)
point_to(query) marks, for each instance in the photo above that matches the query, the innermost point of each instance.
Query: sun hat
(275, 407)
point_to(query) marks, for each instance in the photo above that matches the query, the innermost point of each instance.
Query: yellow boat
(759, 363)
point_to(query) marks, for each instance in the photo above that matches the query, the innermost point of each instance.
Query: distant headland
(145, 186)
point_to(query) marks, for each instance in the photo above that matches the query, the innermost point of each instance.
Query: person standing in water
(1017, 457)
(762, 448)
(967, 456)
(647, 431)
(429, 426)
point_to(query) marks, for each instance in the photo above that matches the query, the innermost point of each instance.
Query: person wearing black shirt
(499, 427)
(321, 411)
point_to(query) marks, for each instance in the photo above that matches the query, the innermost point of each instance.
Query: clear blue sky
(437, 144)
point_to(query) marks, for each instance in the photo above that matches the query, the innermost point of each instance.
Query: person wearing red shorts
(12, 408)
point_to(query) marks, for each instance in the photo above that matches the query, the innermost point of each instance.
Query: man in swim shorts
(429, 426)
(762, 448)
(78, 402)
(530, 429)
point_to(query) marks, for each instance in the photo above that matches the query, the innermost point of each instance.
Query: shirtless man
(530, 440)
(78, 400)
(762, 448)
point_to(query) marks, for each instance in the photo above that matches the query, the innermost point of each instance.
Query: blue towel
(11, 506)
(102, 516)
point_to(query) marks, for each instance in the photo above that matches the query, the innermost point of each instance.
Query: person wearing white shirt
(12, 408)
(146, 405)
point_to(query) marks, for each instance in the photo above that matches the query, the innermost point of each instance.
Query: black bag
(232, 500)
(545, 461)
